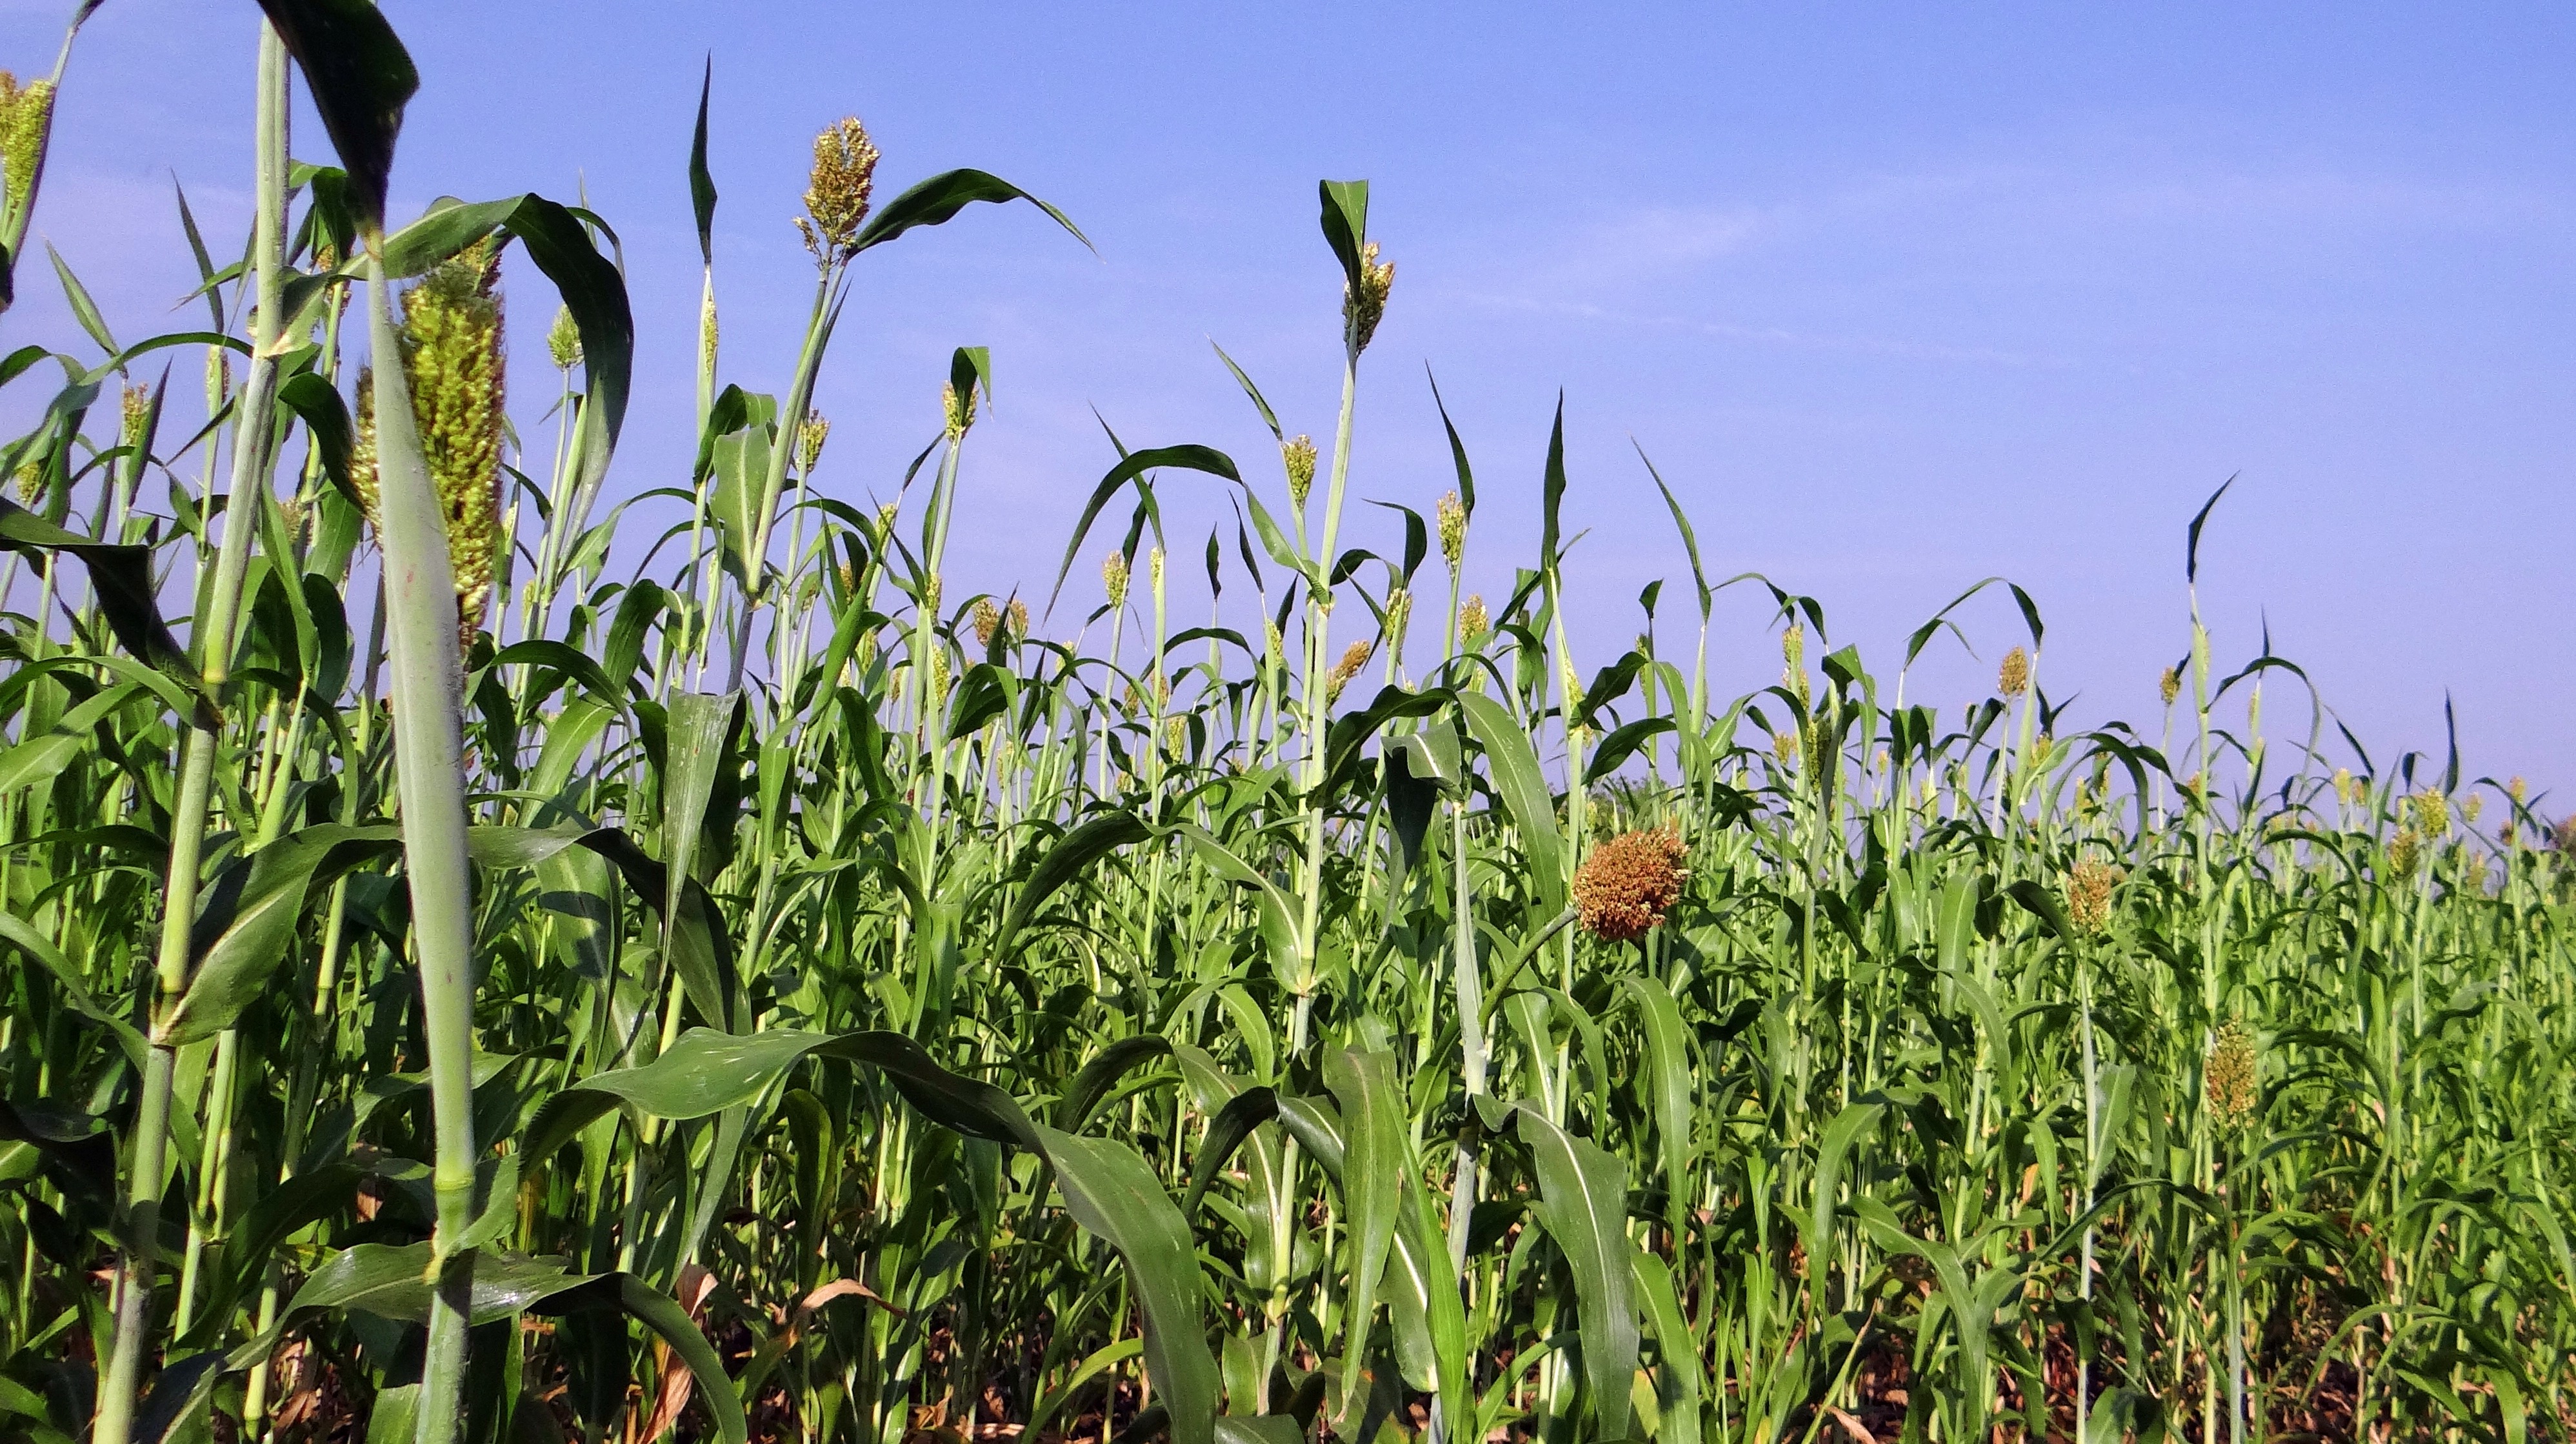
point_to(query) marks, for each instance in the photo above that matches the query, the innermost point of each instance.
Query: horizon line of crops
(461, 996)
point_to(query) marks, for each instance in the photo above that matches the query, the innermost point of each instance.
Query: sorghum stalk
(251, 455)
(429, 780)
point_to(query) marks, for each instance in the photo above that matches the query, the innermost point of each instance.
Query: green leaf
(702, 182)
(1375, 1163)
(1345, 222)
(1583, 1205)
(1668, 1087)
(1114, 1196)
(1513, 764)
(1065, 861)
(1131, 466)
(933, 201)
(360, 78)
(1832, 1152)
(1679, 1382)
(121, 578)
(1623, 744)
(1102, 1073)
(249, 920)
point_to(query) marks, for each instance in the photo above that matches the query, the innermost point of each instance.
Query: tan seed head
(837, 190)
(1629, 884)
(2013, 677)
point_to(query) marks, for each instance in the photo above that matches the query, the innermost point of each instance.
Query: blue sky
(1898, 297)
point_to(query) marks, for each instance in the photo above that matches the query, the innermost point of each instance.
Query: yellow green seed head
(838, 189)
(362, 449)
(1274, 648)
(26, 116)
(2169, 685)
(988, 620)
(2343, 785)
(811, 433)
(2013, 677)
(885, 523)
(1113, 578)
(2089, 889)
(2432, 813)
(2233, 1075)
(2471, 806)
(1473, 624)
(2404, 850)
(959, 410)
(1298, 455)
(1785, 747)
(1453, 531)
(31, 481)
(707, 334)
(938, 675)
(1016, 617)
(563, 340)
(1154, 570)
(1399, 615)
(451, 343)
(1364, 306)
(134, 408)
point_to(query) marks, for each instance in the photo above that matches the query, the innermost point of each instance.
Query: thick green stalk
(119, 1391)
(429, 780)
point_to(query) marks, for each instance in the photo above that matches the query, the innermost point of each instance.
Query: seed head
(1628, 884)
(2404, 850)
(1154, 569)
(1354, 657)
(1399, 615)
(451, 345)
(1274, 648)
(363, 476)
(988, 620)
(2233, 1075)
(2088, 894)
(2563, 836)
(811, 433)
(1785, 747)
(938, 674)
(1453, 530)
(2169, 685)
(135, 413)
(31, 481)
(1473, 624)
(837, 190)
(960, 410)
(885, 522)
(707, 334)
(1176, 736)
(2516, 789)
(1298, 455)
(930, 594)
(2013, 678)
(2343, 785)
(1016, 618)
(1363, 307)
(26, 117)
(2471, 806)
(1113, 575)
(2432, 812)
(563, 340)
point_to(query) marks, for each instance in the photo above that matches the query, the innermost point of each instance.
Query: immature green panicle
(563, 340)
(2169, 685)
(452, 348)
(26, 114)
(810, 436)
(2432, 813)
(1472, 621)
(1399, 615)
(1453, 530)
(363, 476)
(1113, 578)
(1364, 305)
(1624, 889)
(134, 412)
(1298, 455)
(958, 408)
(838, 189)
(31, 481)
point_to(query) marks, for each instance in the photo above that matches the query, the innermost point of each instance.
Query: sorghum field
(460, 988)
